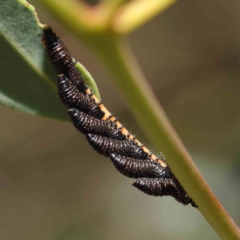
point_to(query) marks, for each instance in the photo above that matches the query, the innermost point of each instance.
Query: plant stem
(87, 19)
(141, 100)
(136, 13)
(149, 113)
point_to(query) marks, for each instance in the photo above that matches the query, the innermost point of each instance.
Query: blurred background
(55, 187)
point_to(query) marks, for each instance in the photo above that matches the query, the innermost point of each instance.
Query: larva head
(74, 113)
(115, 158)
(50, 39)
(63, 83)
(76, 117)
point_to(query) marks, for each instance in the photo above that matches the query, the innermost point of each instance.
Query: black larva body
(157, 187)
(135, 168)
(72, 98)
(87, 124)
(163, 187)
(104, 135)
(61, 58)
(106, 146)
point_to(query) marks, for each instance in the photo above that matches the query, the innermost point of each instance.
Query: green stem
(142, 101)
(151, 116)
(134, 14)
(112, 5)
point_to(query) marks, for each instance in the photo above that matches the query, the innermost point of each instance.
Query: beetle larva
(87, 124)
(106, 146)
(61, 58)
(135, 168)
(105, 133)
(72, 98)
(163, 187)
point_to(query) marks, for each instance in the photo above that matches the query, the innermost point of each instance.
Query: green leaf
(88, 79)
(27, 78)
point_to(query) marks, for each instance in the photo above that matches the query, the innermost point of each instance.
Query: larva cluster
(105, 133)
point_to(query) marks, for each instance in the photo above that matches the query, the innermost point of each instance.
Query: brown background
(53, 186)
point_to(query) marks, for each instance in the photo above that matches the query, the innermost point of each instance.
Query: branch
(136, 13)
(141, 99)
(88, 19)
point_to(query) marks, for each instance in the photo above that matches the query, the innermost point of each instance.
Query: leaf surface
(27, 78)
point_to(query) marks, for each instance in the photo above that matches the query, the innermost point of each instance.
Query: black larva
(159, 181)
(72, 98)
(103, 135)
(87, 124)
(163, 187)
(106, 146)
(61, 58)
(135, 168)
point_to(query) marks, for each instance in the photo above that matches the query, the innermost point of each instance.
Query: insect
(61, 58)
(106, 146)
(163, 187)
(135, 168)
(72, 98)
(88, 124)
(105, 133)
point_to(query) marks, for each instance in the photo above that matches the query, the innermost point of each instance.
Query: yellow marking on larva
(124, 130)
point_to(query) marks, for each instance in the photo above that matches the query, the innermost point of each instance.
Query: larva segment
(72, 98)
(163, 187)
(135, 168)
(61, 58)
(87, 124)
(106, 146)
